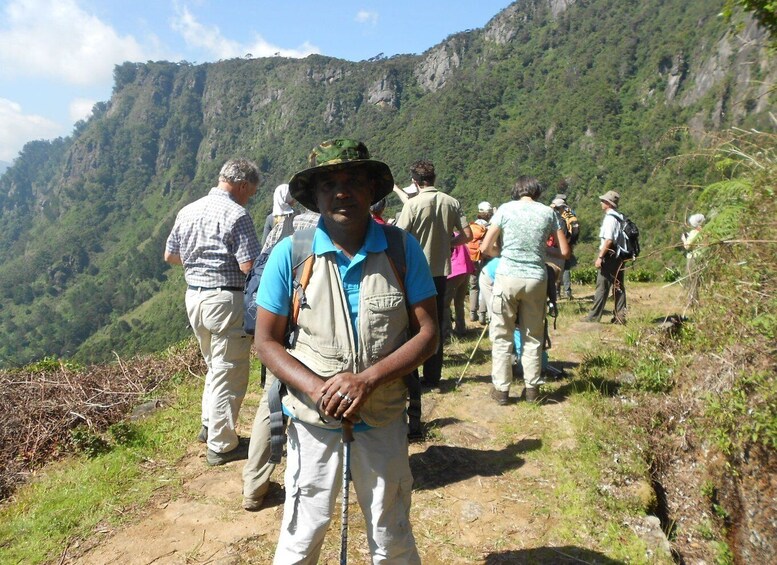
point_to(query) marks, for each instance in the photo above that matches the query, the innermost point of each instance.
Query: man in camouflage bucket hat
(362, 329)
(336, 155)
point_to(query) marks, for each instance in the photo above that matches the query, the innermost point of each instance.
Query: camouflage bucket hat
(335, 155)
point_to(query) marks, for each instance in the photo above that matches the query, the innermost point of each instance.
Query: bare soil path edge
(475, 492)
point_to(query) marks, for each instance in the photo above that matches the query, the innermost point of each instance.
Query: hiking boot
(202, 437)
(532, 394)
(237, 454)
(502, 397)
(618, 321)
(482, 319)
(569, 295)
(473, 316)
(251, 504)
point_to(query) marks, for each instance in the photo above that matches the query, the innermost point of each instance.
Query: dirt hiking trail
(481, 494)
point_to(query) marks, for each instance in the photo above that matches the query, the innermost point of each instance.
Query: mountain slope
(600, 94)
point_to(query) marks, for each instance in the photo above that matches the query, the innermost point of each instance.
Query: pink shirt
(461, 264)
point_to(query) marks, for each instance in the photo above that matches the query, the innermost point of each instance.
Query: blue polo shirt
(275, 289)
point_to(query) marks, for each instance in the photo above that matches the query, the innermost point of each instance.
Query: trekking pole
(458, 382)
(347, 439)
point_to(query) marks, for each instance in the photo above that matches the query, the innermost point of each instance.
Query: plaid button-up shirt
(213, 236)
(302, 221)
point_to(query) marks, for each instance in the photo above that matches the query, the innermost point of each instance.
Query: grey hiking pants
(611, 275)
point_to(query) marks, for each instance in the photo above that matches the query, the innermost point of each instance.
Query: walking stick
(458, 382)
(347, 439)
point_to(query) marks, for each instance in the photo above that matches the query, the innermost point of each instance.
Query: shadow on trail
(605, 387)
(459, 358)
(442, 422)
(566, 555)
(565, 365)
(442, 465)
(449, 384)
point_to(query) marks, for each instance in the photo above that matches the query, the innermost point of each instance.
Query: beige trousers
(257, 470)
(525, 299)
(216, 317)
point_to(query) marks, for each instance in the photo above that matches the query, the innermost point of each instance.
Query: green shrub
(124, 433)
(584, 275)
(51, 364)
(640, 275)
(87, 442)
(653, 375)
(671, 275)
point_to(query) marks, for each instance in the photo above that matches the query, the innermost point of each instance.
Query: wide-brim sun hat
(485, 207)
(611, 197)
(335, 155)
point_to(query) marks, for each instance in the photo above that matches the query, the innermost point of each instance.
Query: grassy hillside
(601, 95)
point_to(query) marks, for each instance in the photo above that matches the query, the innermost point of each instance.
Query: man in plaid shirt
(215, 241)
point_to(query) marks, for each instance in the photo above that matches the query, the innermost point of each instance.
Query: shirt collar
(216, 191)
(374, 241)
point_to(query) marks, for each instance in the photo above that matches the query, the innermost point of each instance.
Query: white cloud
(366, 17)
(210, 39)
(56, 38)
(80, 109)
(16, 129)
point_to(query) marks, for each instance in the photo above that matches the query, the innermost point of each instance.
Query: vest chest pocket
(387, 320)
(326, 361)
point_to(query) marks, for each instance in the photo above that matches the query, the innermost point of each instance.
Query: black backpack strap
(277, 421)
(395, 250)
(546, 343)
(395, 239)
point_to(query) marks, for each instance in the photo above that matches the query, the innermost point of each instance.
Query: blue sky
(57, 56)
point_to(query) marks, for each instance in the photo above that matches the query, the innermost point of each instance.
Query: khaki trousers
(216, 317)
(257, 470)
(523, 299)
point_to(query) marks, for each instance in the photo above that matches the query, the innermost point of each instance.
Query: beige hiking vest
(324, 342)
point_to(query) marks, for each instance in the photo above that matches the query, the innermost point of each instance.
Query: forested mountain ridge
(600, 94)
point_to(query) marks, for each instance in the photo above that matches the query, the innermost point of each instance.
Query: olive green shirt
(432, 217)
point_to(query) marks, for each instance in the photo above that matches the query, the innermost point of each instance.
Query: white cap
(485, 207)
(558, 202)
(696, 220)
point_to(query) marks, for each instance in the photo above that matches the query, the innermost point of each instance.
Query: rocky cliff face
(438, 65)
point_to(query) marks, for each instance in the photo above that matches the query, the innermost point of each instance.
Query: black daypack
(628, 239)
(255, 275)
